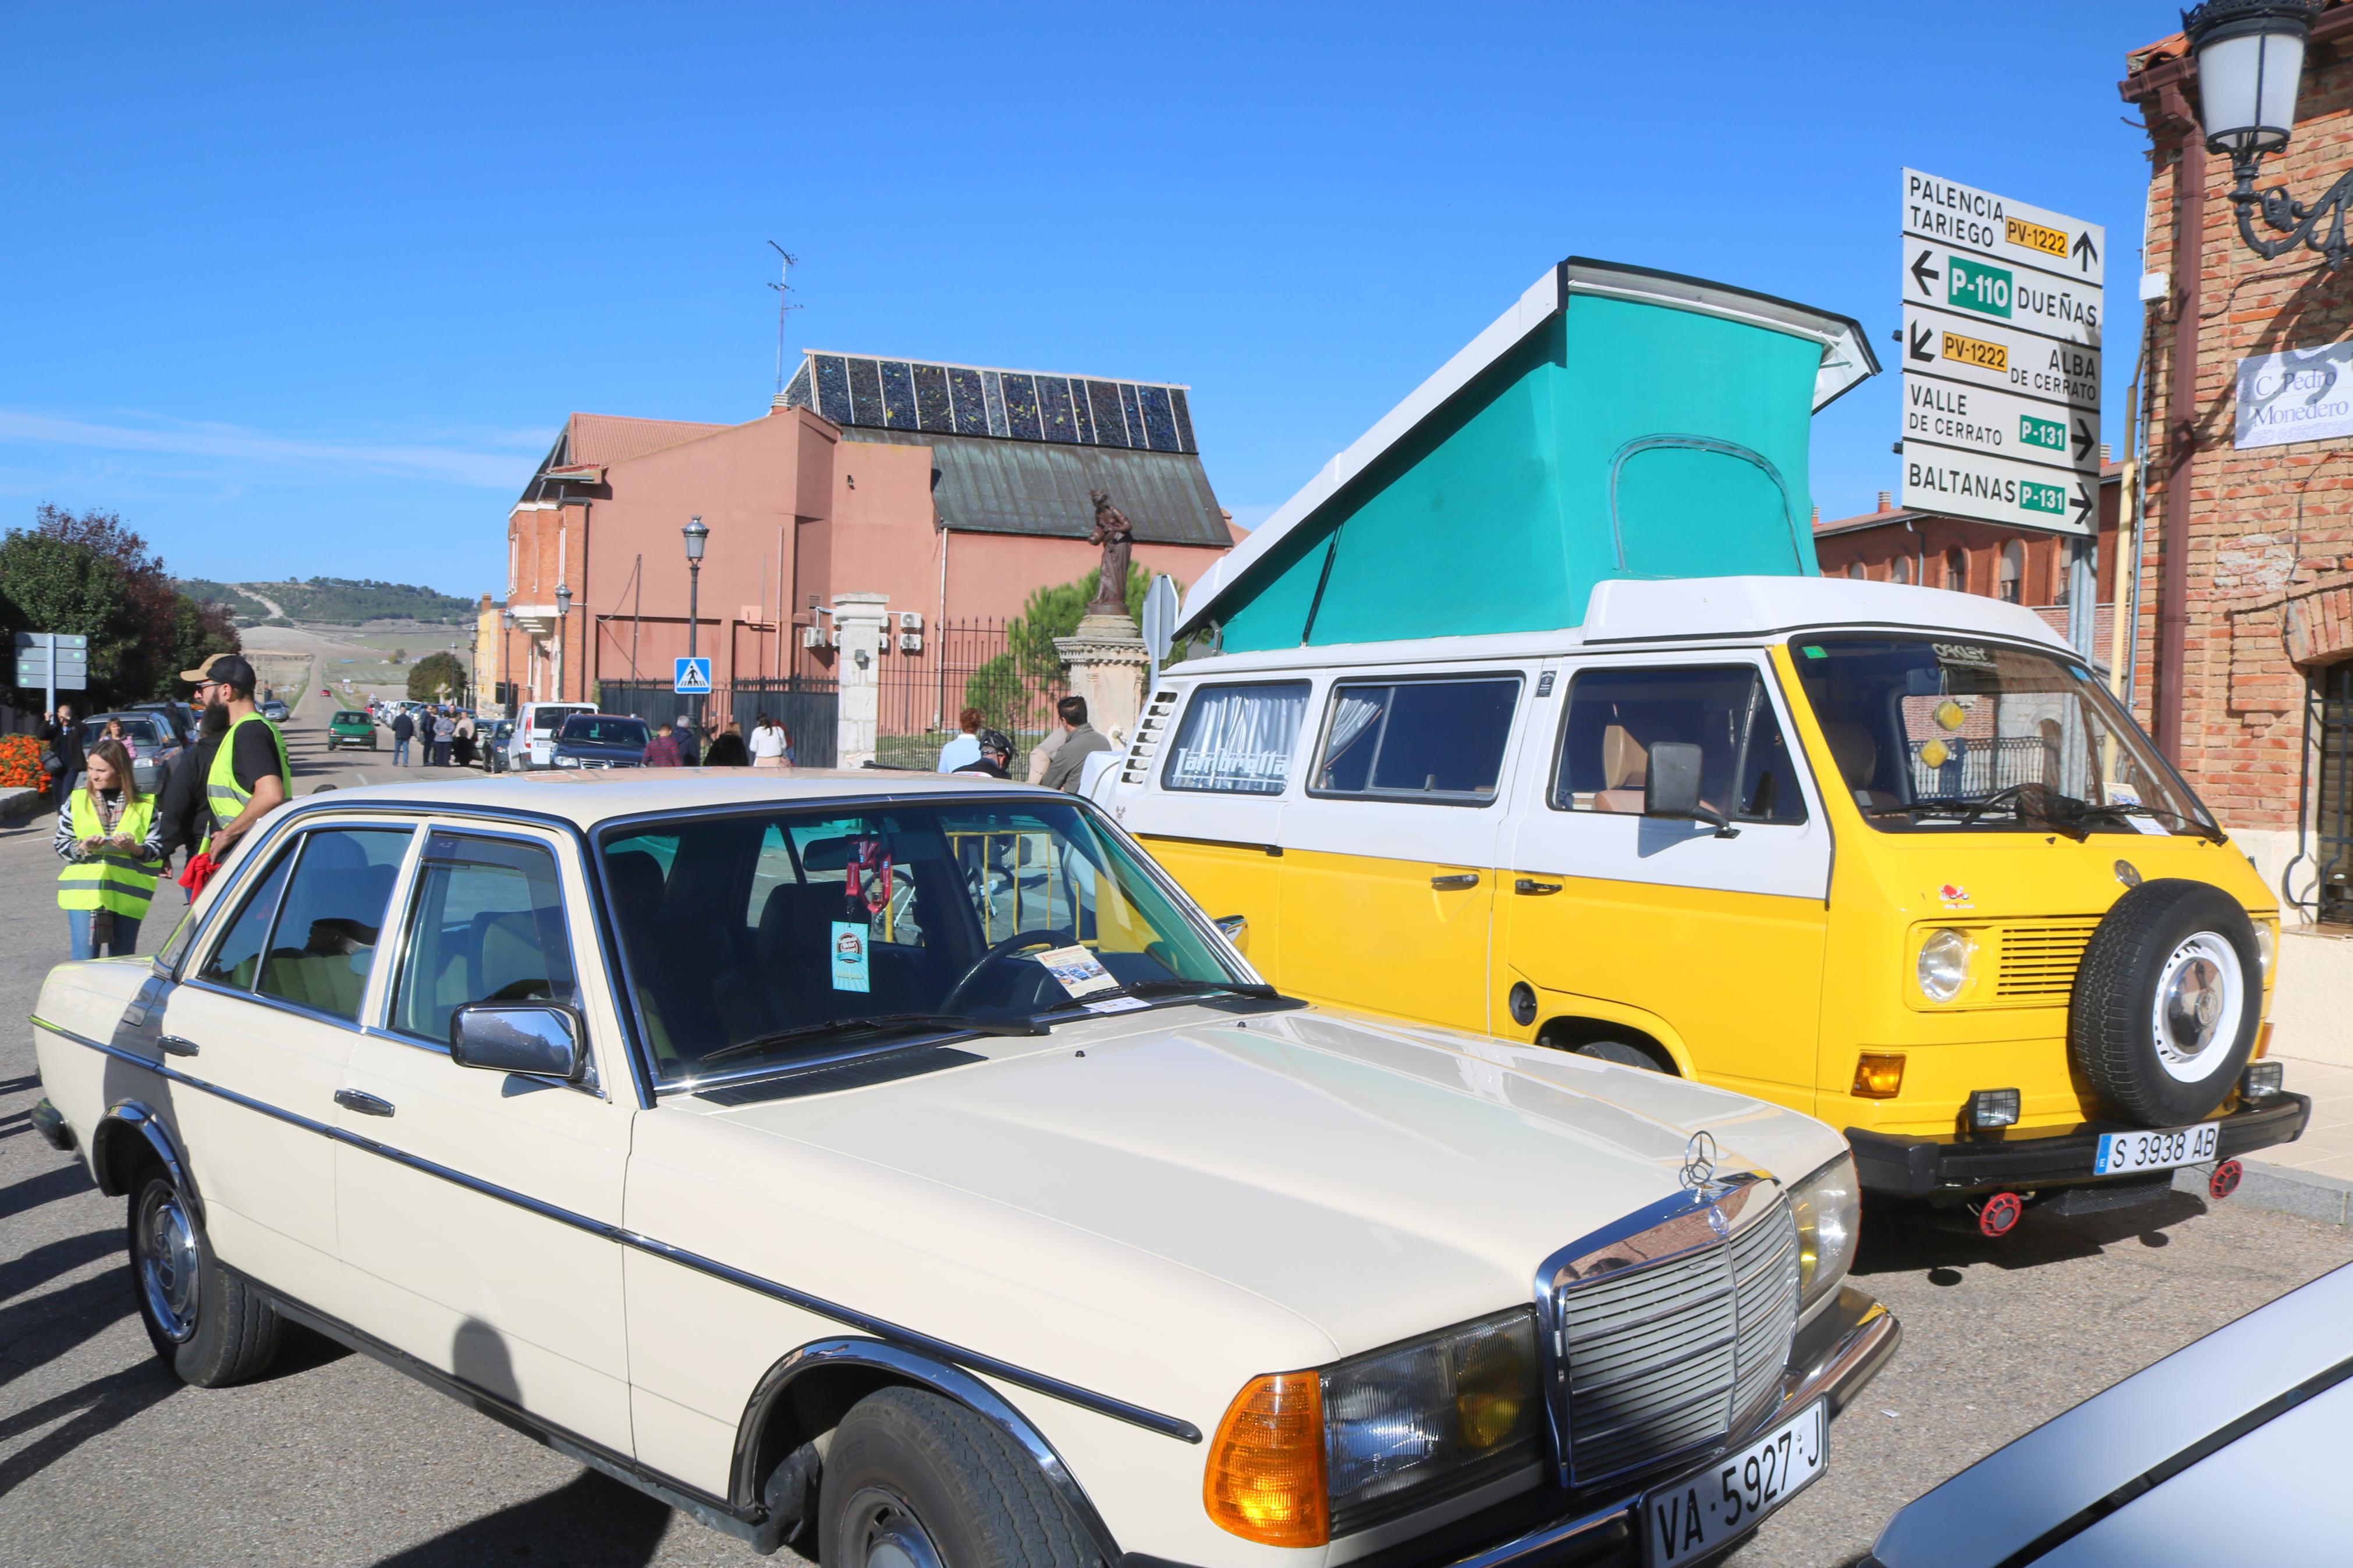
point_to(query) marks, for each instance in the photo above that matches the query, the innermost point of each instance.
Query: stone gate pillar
(1108, 661)
(857, 621)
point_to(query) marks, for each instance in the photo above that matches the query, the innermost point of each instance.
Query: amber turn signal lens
(2263, 1041)
(1878, 1074)
(1266, 1480)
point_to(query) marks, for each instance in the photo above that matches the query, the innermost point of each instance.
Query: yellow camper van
(1890, 855)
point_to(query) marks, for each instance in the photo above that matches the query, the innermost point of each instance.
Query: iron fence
(963, 664)
(807, 707)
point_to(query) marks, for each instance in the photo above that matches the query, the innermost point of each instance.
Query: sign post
(2002, 307)
(1159, 628)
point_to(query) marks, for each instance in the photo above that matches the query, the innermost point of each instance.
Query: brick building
(2243, 644)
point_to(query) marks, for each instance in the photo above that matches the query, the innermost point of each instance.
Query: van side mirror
(1671, 787)
(1235, 930)
(533, 1037)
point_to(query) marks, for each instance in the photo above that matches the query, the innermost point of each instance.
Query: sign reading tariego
(2001, 357)
(2304, 394)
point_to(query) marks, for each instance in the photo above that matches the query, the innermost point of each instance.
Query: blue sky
(309, 289)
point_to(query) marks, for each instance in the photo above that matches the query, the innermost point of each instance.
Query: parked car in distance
(497, 734)
(350, 727)
(601, 740)
(882, 1165)
(533, 743)
(2162, 1468)
(273, 710)
(179, 717)
(153, 745)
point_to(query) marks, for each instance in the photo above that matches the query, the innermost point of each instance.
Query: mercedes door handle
(1530, 885)
(175, 1046)
(366, 1104)
(1455, 883)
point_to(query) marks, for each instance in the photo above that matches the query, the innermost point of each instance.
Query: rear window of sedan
(147, 734)
(348, 717)
(604, 731)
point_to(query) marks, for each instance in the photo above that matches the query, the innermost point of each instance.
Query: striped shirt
(68, 846)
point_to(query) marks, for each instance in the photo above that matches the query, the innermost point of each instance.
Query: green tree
(85, 573)
(1051, 613)
(435, 677)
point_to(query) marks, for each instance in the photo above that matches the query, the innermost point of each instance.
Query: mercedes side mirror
(1671, 787)
(1235, 930)
(533, 1037)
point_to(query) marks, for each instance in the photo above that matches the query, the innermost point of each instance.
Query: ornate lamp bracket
(2301, 225)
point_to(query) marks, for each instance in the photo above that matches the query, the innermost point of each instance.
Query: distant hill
(332, 601)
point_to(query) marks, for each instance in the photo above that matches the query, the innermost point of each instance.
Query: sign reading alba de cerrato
(2304, 394)
(2001, 358)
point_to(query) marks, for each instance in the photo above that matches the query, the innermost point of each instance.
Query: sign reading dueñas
(2304, 394)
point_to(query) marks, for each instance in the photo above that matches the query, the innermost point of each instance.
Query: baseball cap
(227, 668)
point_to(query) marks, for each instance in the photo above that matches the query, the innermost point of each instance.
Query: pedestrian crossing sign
(693, 678)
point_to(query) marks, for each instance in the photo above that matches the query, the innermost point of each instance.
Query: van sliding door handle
(1456, 883)
(366, 1104)
(1530, 885)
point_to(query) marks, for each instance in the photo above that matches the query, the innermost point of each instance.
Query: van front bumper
(2034, 1159)
(1832, 1358)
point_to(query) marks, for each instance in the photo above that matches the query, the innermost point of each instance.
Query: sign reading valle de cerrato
(2304, 394)
(2001, 335)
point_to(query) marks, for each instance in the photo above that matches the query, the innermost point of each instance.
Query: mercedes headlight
(1944, 966)
(1828, 1207)
(1302, 1457)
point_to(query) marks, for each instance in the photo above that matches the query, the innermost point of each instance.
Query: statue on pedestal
(1116, 536)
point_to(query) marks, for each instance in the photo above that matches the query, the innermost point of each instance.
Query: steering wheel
(998, 952)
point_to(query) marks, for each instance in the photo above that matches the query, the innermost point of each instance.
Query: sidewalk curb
(21, 805)
(2280, 1188)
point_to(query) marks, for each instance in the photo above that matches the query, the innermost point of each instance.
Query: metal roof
(981, 485)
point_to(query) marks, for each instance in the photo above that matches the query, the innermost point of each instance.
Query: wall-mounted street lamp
(2250, 63)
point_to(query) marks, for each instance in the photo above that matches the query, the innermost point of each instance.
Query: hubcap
(2200, 993)
(166, 1261)
(881, 1530)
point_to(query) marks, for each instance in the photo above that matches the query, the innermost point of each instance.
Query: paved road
(105, 1459)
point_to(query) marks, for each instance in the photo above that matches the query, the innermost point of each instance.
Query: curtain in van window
(1237, 739)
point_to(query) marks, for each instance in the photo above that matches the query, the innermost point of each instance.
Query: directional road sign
(1953, 347)
(693, 678)
(2000, 424)
(2001, 341)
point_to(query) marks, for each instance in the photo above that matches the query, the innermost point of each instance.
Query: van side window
(1237, 739)
(1436, 740)
(1616, 716)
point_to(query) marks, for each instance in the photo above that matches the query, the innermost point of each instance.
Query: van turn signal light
(1265, 1480)
(1878, 1074)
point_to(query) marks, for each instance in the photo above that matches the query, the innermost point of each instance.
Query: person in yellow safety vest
(248, 778)
(111, 844)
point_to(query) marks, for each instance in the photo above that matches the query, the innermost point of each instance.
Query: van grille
(2038, 958)
(1151, 728)
(1666, 1357)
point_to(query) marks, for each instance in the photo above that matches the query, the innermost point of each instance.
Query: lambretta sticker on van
(1964, 653)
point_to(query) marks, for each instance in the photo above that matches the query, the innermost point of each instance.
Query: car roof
(589, 799)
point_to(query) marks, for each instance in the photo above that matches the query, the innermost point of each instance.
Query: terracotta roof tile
(616, 438)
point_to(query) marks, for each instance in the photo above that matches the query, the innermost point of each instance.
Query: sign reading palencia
(2304, 394)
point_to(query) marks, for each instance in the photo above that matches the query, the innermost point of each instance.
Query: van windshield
(1955, 735)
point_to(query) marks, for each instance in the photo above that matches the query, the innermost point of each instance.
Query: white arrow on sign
(1982, 289)
(2000, 424)
(1954, 483)
(1954, 347)
(1971, 219)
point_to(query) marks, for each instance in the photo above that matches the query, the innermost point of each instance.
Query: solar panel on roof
(1110, 425)
(866, 393)
(898, 395)
(1159, 423)
(1134, 411)
(832, 387)
(1183, 420)
(1056, 419)
(797, 395)
(932, 399)
(1086, 416)
(1021, 408)
(993, 386)
(971, 406)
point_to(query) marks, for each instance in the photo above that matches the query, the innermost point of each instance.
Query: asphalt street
(334, 1459)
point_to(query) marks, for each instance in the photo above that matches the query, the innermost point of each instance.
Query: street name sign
(693, 678)
(1988, 353)
(2000, 424)
(2000, 349)
(2303, 394)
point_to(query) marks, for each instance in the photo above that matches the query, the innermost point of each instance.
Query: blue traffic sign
(693, 678)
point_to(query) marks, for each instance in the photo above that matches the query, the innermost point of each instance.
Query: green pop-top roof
(1615, 423)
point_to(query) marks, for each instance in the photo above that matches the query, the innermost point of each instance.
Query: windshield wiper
(957, 1023)
(1196, 987)
(2157, 814)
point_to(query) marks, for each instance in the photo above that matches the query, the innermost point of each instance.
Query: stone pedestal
(858, 622)
(1108, 662)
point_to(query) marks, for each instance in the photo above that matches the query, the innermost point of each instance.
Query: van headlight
(1303, 1456)
(1944, 966)
(1828, 1207)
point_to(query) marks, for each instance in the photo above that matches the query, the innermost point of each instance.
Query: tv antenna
(784, 286)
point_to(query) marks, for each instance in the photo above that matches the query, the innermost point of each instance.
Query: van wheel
(1624, 1055)
(916, 1480)
(208, 1325)
(2167, 1001)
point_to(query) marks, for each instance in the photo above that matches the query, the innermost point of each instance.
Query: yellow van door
(1708, 938)
(1389, 850)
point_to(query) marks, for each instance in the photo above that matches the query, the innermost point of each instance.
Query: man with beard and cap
(236, 775)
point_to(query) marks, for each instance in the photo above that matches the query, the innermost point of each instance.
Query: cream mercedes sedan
(900, 1168)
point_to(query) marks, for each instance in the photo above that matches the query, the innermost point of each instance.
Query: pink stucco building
(953, 489)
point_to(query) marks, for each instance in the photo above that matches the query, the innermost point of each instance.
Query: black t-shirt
(981, 765)
(256, 757)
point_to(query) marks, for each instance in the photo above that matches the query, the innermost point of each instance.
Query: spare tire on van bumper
(2166, 1002)
(1959, 1165)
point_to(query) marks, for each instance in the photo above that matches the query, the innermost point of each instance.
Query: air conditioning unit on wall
(816, 636)
(909, 621)
(911, 642)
